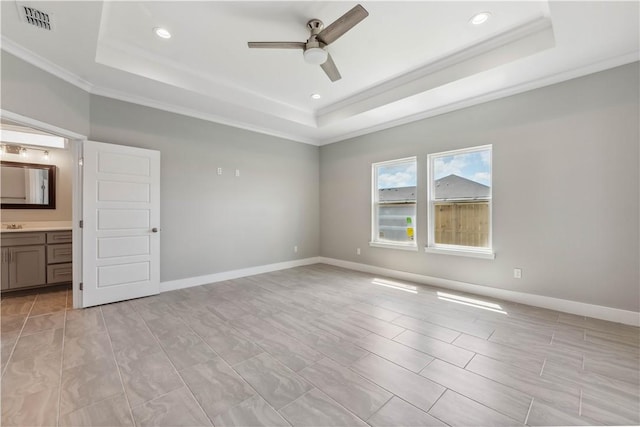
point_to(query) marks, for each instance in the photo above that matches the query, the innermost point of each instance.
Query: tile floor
(314, 345)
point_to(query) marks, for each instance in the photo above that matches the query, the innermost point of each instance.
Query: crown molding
(131, 60)
(172, 108)
(34, 59)
(46, 65)
(491, 96)
(530, 37)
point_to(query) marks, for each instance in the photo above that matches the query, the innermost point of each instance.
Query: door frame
(76, 142)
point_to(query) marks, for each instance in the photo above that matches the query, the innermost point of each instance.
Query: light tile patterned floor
(314, 345)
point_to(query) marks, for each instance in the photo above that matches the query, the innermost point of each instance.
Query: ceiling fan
(315, 48)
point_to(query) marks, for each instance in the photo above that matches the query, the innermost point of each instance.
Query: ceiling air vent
(35, 17)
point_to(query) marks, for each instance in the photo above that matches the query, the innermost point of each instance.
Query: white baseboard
(172, 285)
(582, 309)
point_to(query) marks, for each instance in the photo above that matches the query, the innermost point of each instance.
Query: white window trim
(466, 251)
(404, 247)
(409, 246)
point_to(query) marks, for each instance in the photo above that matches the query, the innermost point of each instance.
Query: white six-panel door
(121, 215)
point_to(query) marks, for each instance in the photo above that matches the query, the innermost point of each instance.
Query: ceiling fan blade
(277, 45)
(331, 70)
(342, 24)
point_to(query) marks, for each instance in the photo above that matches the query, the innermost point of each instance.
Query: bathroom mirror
(27, 186)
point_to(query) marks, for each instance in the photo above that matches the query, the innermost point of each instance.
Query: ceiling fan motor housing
(315, 26)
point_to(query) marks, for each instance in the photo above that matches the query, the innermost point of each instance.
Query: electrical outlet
(219, 171)
(295, 249)
(237, 172)
(517, 273)
(358, 251)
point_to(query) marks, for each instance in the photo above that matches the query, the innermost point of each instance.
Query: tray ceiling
(405, 61)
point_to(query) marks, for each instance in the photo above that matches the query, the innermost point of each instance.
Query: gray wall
(213, 223)
(34, 93)
(210, 223)
(566, 184)
(566, 190)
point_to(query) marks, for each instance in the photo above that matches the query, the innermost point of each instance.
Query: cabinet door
(4, 281)
(28, 266)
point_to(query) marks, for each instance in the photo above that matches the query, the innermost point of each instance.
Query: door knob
(154, 229)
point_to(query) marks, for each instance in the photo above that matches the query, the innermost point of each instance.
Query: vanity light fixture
(480, 18)
(163, 33)
(22, 151)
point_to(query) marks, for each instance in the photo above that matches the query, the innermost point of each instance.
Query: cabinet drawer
(57, 254)
(59, 273)
(59, 236)
(22, 239)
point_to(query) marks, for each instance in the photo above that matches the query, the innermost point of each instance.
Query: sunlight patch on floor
(472, 302)
(395, 285)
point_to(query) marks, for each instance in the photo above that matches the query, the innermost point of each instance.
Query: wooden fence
(462, 223)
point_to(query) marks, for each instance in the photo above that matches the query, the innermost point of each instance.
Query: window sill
(394, 246)
(488, 254)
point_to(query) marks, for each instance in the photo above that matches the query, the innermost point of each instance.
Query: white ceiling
(405, 61)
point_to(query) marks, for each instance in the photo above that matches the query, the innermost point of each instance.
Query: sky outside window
(395, 176)
(475, 166)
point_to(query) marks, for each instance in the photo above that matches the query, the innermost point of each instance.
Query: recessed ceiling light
(480, 18)
(162, 33)
(316, 96)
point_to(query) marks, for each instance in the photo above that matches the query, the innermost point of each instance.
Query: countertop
(33, 229)
(34, 226)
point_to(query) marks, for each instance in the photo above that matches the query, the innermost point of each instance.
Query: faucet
(14, 226)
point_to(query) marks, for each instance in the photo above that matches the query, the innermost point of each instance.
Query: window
(460, 202)
(394, 204)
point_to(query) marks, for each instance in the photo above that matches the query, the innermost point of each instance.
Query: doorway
(56, 266)
(115, 224)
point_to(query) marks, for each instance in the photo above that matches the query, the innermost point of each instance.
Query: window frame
(375, 229)
(458, 250)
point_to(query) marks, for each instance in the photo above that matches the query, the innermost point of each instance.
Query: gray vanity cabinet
(32, 259)
(24, 260)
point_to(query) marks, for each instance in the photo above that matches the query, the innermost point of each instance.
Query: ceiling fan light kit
(314, 50)
(315, 55)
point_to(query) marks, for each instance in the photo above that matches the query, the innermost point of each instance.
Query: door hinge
(81, 286)
(81, 223)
